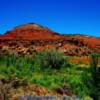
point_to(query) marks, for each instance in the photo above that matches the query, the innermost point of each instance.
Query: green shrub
(91, 77)
(95, 77)
(50, 59)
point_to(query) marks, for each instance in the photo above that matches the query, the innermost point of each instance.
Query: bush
(92, 77)
(50, 59)
(95, 77)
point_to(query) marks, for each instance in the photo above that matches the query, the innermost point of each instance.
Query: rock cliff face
(30, 38)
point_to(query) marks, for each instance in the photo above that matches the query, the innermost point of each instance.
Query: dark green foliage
(91, 77)
(95, 77)
(50, 59)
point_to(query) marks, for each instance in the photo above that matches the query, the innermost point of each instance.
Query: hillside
(30, 31)
(32, 64)
(29, 38)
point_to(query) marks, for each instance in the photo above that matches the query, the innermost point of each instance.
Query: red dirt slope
(29, 38)
(30, 32)
(92, 42)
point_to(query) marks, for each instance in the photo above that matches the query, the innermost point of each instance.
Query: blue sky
(63, 16)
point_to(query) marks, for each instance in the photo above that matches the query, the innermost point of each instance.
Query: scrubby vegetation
(92, 77)
(95, 77)
(50, 59)
(52, 70)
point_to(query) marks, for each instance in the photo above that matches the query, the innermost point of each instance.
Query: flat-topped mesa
(30, 31)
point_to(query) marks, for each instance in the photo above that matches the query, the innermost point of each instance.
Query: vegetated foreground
(48, 73)
(36, 61)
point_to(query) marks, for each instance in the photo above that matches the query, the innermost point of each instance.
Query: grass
(50, 69)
